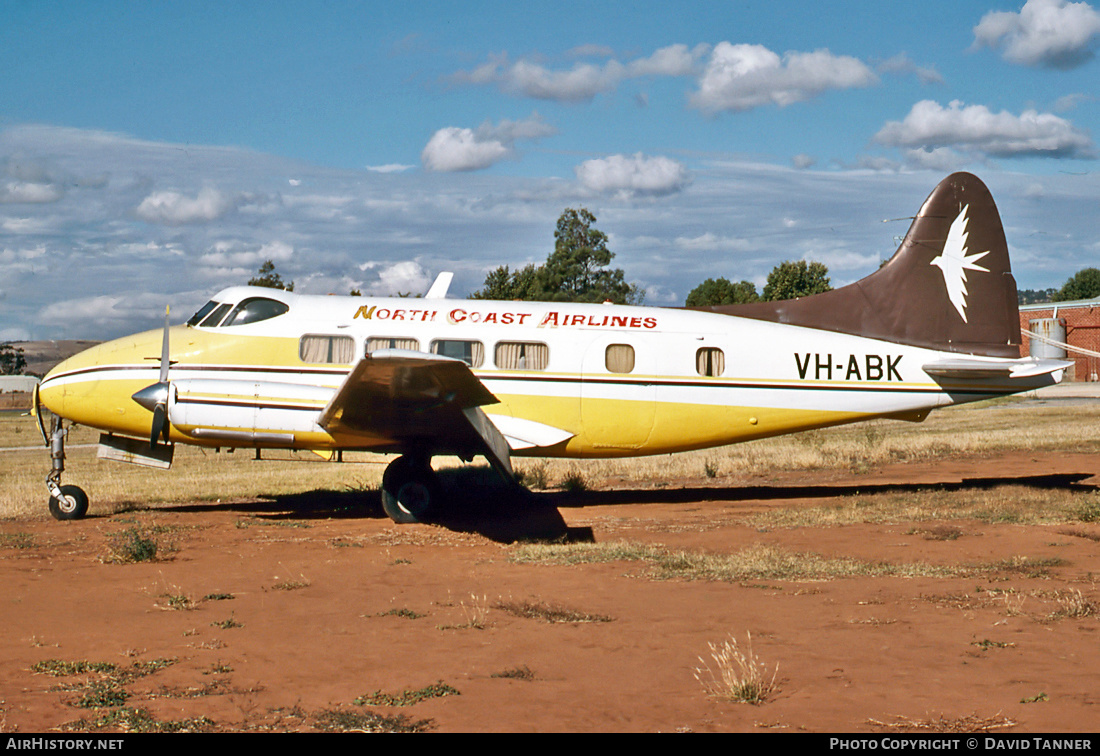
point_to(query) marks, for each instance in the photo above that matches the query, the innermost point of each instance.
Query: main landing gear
(410, 489)
(66, 502)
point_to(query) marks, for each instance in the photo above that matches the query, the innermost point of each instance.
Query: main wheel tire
(72, 505)
(410, 491)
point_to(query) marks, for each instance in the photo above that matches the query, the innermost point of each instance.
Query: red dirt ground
(311, 584)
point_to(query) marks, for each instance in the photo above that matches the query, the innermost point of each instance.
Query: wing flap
(527, 434)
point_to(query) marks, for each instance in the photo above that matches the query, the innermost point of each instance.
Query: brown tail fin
(948, 287)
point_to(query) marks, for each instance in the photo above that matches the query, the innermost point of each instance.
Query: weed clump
(737, 675)
(133, 545)
(551, 613)
(335, 720)
(407, 697)
(522, 672)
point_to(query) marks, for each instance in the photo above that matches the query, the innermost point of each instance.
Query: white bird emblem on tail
(954, 262)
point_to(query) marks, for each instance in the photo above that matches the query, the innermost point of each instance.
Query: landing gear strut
(66, 502)
(410, 489)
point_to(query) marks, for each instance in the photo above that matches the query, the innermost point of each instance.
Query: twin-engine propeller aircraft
(936, 325)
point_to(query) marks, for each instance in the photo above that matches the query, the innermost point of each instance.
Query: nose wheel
(66, 502)
(72, 504)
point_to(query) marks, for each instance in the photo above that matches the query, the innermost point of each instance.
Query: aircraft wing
(418, 398)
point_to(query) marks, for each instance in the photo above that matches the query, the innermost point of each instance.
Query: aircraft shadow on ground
(1054, 481)
(508, 514)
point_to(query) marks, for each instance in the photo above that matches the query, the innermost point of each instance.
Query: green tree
(269, 278)
(1084, 284)
(1034, 296)
(576, 271)
(12, 361)
(504, 284)
(720, 291)
(790, 280)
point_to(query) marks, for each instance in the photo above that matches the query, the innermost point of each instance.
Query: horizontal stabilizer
(527, 434)
(965, 369)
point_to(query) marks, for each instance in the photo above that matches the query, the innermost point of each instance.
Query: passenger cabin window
(255, 309)
(521, 355)
(339, 350)
(384, 342)
(470, 352)
(710, 361)
(619, 358)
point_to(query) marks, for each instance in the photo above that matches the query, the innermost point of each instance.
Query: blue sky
(154, 152)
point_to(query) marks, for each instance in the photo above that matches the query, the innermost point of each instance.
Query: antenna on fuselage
(439, 289)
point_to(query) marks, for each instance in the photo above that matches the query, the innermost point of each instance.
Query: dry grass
(197, 474)
(756, 562)
(963, 724)
(548, 612)
(969, 430)
(1016, 504)
(737, 675)
(203, 475)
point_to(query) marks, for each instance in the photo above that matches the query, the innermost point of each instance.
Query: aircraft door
(618, 395)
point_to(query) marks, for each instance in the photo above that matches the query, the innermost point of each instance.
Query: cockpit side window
(212, 320)
(202, 313)
(255, 309)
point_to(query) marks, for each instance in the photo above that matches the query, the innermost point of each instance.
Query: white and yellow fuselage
(589, 381)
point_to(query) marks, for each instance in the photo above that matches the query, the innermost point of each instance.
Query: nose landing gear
(66, 502)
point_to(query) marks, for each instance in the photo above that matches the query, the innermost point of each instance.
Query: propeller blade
(160, 425)
(164, 349)
(155, 396)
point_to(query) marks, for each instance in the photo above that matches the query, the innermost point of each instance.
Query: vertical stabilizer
(948, 287)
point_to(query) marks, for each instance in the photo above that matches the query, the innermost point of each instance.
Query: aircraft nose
(94, 387)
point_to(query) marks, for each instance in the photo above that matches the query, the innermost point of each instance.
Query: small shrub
(551, 613)
(516, 673)
(407, 697)
(1089, 511)
(132, 545)
(534, 476)
(335, 720)
(574, 482)
(227, 624)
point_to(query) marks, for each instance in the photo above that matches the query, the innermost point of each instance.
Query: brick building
(1078, 322)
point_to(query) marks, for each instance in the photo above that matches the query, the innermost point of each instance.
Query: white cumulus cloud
(976, 128)
(172, 208)
(461, 149)
(1045, 33)
(405, 277)
(633, 175)
(583, 81)
(742, 77)
(30, 192)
